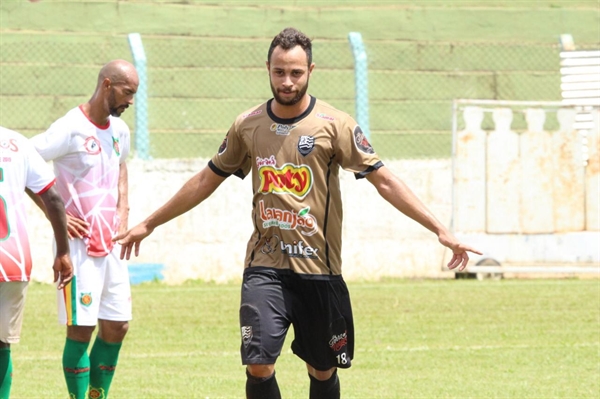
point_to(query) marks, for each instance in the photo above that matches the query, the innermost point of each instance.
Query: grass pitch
(415, 339)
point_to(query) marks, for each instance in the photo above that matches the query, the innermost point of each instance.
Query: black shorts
(319, 310)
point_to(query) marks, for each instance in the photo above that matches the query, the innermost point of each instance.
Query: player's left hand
(460, 256)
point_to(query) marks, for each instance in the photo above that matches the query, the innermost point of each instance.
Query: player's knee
(321, 375)
(260, 370)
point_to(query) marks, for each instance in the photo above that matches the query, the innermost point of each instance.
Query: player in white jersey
(88, 147)
(21, 168)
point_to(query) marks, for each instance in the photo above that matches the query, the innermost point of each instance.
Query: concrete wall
(209, 242)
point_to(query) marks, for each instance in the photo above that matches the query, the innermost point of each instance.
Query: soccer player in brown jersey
(293, 146)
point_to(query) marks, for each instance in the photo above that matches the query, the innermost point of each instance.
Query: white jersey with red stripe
(87, 159)
(20, 167)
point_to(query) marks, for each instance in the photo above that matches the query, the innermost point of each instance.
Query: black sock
(262, 388)
(328, 389)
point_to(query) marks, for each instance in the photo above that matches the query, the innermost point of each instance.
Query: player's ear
(106, 83)
(311, 67)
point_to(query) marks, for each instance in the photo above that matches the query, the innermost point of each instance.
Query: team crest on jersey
(116, 146)
(361, 142)
(247, 335)
(282, 130)
(306, 145)
(86, 298)
(92, 145)
(96, 393)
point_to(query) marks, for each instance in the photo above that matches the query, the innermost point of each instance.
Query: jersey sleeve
(39, 174)
(354, 152)
(233, 155)
(54, 142)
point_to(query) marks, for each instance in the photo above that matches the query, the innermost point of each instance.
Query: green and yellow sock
(76, 368)
(103, 362)
(5, 373)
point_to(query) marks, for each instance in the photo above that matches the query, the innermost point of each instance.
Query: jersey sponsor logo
(9, 145)
(271, 161)
(289, 220)
(86, 298)
(361, 142)
(337, 342)
(223, 146)
(92, 145)
(298, 249)
(116, 146)
(270, 245)
(282, 130)
(325, 116)
(289, 179)
(247, 335)
(257, 112)
(306, 145)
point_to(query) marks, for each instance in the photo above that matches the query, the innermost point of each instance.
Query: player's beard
(294, 100)
(114, 109)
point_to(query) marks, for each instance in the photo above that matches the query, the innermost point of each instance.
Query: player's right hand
(131, 238)
(76, 227)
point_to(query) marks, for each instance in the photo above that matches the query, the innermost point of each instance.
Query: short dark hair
(289, 38)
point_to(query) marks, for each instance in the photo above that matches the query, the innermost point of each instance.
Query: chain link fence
(197, 86)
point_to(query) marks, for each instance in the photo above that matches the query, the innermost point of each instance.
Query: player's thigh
(323, 324)
(12, 306)
(115, 303)
(264, 319)
(79, 302)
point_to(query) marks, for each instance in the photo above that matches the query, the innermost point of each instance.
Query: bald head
(118, 72)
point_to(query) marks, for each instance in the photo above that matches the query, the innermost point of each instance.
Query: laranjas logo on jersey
(288, 220)
(289, 179)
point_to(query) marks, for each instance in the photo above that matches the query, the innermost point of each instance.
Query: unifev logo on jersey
(361, 142)
(289, 179)
(116, 146)
(92, 145)
(282, 130)
(306, 145)
(297, 249)
(288, 220)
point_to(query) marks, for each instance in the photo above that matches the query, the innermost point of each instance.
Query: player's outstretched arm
(397, 193)
(55, 212)
(192, 193)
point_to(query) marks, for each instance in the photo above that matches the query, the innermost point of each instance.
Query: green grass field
(415, 339)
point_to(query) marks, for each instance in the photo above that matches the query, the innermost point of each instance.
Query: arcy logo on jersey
(297, 249)
(92, 145)
(289, 179)
(288, 220)
(282, 130)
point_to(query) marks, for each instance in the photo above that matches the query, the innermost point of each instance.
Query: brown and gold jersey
(297, 207)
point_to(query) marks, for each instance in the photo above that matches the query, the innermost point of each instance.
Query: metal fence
(197, 86)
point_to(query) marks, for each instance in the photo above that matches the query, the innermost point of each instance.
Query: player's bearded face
(115, 108)
(282, 94)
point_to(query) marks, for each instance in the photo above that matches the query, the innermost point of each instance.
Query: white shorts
(100, 289)
(12, 305)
